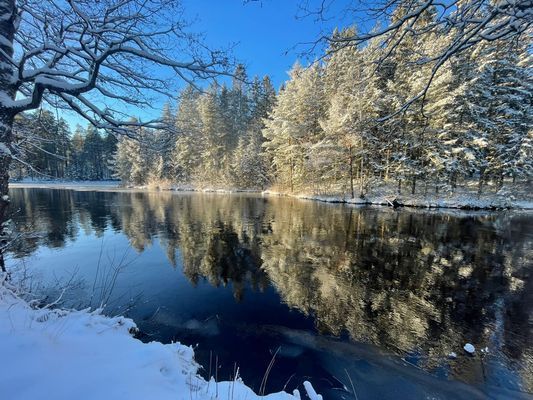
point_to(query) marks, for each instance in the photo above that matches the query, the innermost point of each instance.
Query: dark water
(366, 298)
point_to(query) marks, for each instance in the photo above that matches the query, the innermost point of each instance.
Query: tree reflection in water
(416, 283)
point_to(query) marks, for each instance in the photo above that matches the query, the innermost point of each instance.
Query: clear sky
(264, 32)
(266, 35)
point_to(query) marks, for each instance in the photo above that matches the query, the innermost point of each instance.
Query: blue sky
(267, 36)
(265, 32)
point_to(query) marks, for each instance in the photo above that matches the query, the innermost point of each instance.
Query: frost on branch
(466, 24)
(82, 53)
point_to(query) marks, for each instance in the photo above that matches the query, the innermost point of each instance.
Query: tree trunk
(362, 179)
(8, 11)
(500, 180)
(453, 181)
(351, 174)
(413, 185)
(6, 124)
(291, 176)
(387, 166)
(481, 179)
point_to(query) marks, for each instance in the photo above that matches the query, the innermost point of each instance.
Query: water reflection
(417, 284)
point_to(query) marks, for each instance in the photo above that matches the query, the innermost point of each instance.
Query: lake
(364, 299)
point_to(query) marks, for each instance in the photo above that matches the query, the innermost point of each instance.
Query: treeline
(47, 149)
(362, 118)
(359, 119)
(341, 125)
(212, 139)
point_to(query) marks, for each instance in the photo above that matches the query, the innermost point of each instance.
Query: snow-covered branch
(80, 51)
(466, 24)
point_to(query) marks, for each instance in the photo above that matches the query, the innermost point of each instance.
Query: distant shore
(464, 201)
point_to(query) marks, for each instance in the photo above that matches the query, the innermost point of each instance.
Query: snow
(385, 197)
(5, 100)
(5, 42)
(4, 149)
(68, 354)
(469, 348)
(311, 392)
(5, 16)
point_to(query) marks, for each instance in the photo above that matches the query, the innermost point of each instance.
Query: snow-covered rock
(469, 348)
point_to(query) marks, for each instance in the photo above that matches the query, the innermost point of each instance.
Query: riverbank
(466, 200)
(67, 354)
(459, 201)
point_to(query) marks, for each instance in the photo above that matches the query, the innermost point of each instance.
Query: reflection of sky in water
(252, 275)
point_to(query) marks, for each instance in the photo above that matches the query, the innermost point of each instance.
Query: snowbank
(63, 354)
(458, 201)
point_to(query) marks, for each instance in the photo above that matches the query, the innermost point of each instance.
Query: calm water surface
(366, 298)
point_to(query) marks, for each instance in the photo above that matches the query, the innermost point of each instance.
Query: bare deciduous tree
(94, 57)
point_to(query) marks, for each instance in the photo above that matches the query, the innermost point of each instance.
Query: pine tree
(92, 154)
(212, 139)
(109, 149)
(187, 151)
(352, 133)
(121, 162)
(295, 128)
(166, 139)
(77, 167)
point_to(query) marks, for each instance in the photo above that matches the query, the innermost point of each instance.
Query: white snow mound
(469, 348)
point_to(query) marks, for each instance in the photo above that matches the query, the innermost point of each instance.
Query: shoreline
(101, 355)
(396, 202)
(465, 202)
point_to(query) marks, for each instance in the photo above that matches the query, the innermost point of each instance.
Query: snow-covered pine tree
(209, 170)
(493, 113)
(295, 127)
(133, 159)
(166, 139)
(351, 143)
(92, 154)
(121, 163)
(411, 75)
(187, 148)
(249, 166)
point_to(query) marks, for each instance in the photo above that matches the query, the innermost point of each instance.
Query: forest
(50, 150)
(357, 118)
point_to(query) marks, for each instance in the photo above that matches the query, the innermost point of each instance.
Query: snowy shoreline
(68, 354)
(459, 202)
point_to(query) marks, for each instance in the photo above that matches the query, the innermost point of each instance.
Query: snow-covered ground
(461, 200)
(63, 354)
